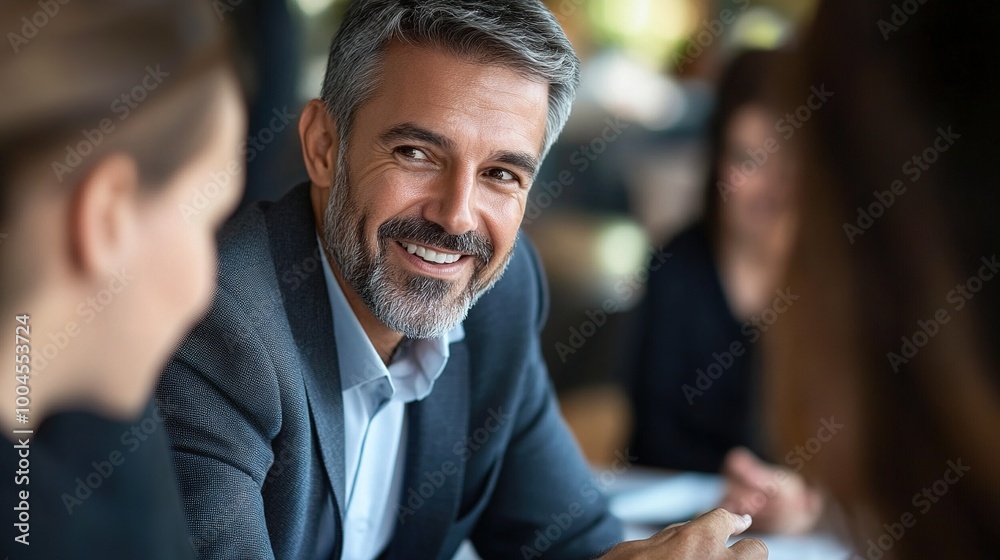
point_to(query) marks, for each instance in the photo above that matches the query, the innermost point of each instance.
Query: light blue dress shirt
(375, 398)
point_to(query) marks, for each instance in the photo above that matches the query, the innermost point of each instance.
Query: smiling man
(421, 202)
(394, 402)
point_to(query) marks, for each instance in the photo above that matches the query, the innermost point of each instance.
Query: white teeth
(430, 255)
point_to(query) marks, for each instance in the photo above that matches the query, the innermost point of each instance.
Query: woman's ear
(318, 134)
(104, 216)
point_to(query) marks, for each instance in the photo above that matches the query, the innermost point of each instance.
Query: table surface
(647, 500)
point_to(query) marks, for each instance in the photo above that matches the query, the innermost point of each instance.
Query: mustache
(423, 232)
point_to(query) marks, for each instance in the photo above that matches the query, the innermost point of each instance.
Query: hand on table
(701, 539)
(779, 500)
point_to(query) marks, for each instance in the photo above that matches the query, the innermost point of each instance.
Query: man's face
(428, 198)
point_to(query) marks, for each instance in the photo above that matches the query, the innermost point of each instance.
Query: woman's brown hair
(70, 67)
(81, 80)
(898, 227)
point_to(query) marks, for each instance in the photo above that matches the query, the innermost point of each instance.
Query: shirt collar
(414, 367)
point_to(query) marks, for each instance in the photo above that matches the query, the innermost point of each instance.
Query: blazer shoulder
(243, 245)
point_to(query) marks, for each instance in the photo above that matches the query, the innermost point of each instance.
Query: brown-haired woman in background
(895, 335)
(115, 119)
(703, 308)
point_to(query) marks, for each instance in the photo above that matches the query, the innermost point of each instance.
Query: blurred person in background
(695, 390)
(895, 335)
(115, 116)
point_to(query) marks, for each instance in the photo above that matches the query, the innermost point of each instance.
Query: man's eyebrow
(410, 131)
(522, 160)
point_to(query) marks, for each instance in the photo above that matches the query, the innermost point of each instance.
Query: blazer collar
(292, 233)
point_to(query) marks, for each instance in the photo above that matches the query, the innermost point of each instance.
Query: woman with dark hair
(120, 126)
(896, 332)
(696, 383)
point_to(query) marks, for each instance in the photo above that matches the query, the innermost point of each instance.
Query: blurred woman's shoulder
(689, 255)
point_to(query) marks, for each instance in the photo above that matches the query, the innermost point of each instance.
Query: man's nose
(453, 205)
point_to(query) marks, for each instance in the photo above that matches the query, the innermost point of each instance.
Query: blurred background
(626, 175)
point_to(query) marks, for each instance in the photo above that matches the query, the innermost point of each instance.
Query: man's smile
(435, 262)
(438, 256)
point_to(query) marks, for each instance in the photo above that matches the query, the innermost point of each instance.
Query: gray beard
(413, 305)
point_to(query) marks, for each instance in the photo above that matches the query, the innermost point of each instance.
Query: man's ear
(104, 215)
(318, 134)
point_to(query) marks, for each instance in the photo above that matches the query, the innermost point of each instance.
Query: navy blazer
(257, 428)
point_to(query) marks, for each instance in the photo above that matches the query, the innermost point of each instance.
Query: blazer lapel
(436, 424)
(295, 251)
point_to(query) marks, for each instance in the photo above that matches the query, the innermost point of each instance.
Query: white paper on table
(647, 500)
(643, 496)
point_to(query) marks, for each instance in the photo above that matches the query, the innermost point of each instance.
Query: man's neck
(384, 339)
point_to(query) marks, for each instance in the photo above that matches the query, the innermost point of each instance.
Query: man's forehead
(442, 92)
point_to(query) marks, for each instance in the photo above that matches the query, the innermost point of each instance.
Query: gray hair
(519, 34)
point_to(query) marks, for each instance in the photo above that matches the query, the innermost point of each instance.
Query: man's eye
(501, 174)
(410, 152)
